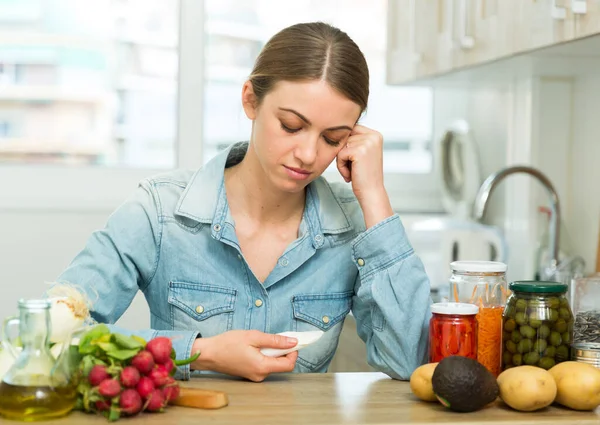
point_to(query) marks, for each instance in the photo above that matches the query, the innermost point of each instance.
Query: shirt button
(283, 262)
(217, 227)
(360, 262)
(325, 319)
(199, 309)
(239, 257)
(318, 238)
(258, 303)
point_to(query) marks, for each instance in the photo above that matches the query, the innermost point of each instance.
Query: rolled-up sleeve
(392, 299)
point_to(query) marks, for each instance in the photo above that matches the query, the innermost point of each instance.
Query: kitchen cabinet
(587, 21)
(413, 39)
(481, 30)
(541, 23)
(427, 38)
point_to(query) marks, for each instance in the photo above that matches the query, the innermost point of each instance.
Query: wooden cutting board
(201, 399)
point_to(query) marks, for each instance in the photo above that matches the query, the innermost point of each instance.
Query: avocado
(463, 384)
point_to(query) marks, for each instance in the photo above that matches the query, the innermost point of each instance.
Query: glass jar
(585, 301)
(586, 352)
(483, 283)
(537, 325)
(452, 331)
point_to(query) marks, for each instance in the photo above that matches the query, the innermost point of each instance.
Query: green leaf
(173, 354)
(114, 414)
(87, 363)
(78, 404)
(122, 354)
(187, 361)
(88, 340)
(127, 342)
(140, 340)
(108, 346)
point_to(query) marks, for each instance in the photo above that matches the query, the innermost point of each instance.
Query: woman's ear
(249, 101)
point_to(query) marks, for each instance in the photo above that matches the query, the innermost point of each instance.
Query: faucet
(486, 189)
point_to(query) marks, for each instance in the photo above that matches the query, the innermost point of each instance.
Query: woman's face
(298, 130)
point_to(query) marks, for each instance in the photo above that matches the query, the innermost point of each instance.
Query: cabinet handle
(466, 41)
(558, 12)
(579, 7)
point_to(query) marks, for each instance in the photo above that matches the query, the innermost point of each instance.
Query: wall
(550, 124)
(583, 222)
(36, 245)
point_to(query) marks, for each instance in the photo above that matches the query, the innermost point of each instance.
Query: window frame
(93, 188)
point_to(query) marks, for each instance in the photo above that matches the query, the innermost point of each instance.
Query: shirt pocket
(325, 312)
(205, 308)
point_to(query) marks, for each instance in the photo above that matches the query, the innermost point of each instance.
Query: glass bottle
(452, 331)
(36, 387)
(585, 302)
(483, 283)
(537, 325)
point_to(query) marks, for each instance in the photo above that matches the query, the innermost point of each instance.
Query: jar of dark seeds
(585, 300)
(537, 325)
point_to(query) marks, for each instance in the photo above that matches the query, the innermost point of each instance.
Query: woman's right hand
(238, 353)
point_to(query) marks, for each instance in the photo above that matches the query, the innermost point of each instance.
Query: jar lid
(538, 286)
(586, 350)
(478, 266)
(461, 309)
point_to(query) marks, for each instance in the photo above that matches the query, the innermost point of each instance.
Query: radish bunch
(132, 378)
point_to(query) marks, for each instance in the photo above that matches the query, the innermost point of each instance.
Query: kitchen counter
(336, 398)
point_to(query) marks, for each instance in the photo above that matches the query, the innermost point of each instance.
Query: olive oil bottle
(36, 387)
(36, 403)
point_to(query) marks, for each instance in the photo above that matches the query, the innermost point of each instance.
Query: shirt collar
(204, 199)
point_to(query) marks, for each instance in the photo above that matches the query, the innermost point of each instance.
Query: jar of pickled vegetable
(537, 325)
(483, 283)
(452, 331)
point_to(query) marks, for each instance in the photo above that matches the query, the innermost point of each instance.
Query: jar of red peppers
(483, 283)
(452, 331)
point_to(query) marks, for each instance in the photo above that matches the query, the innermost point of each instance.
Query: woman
(256, 242)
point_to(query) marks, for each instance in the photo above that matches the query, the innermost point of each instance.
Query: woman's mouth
(297, 173)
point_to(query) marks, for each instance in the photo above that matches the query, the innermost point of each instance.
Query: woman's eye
(289, 129)
(332, 142)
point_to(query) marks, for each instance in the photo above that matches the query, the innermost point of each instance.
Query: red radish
(160, 347)
(145, 387)
(156, 401)
(109, 388)
(97, 375)
(102, 405)
(130, 376)
(130, 402)
(170, 390)
(167, 366)
(143, 361)
(159, 377)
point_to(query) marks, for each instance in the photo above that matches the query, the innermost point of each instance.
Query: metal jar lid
(586, 352)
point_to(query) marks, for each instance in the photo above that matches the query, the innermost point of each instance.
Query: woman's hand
(238, 353)
(361, 162)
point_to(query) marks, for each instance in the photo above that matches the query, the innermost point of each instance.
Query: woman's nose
(306, 150)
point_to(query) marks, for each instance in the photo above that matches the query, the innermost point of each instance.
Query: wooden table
(342, 398)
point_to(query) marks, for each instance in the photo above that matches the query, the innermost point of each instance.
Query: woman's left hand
(361, 162)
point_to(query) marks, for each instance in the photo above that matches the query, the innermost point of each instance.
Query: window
(140, 86)
(237, 30)
(89, 83)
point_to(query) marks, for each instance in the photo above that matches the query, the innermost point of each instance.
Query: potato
(578, 385)
(527, 388)
(420, 382)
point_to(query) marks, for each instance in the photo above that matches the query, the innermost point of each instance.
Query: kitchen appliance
(441, 240)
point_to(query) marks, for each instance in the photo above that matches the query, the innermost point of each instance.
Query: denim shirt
(175, 240)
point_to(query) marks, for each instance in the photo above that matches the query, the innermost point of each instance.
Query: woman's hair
(312, 51)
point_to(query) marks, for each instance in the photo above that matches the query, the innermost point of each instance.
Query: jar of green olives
(537, 325)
